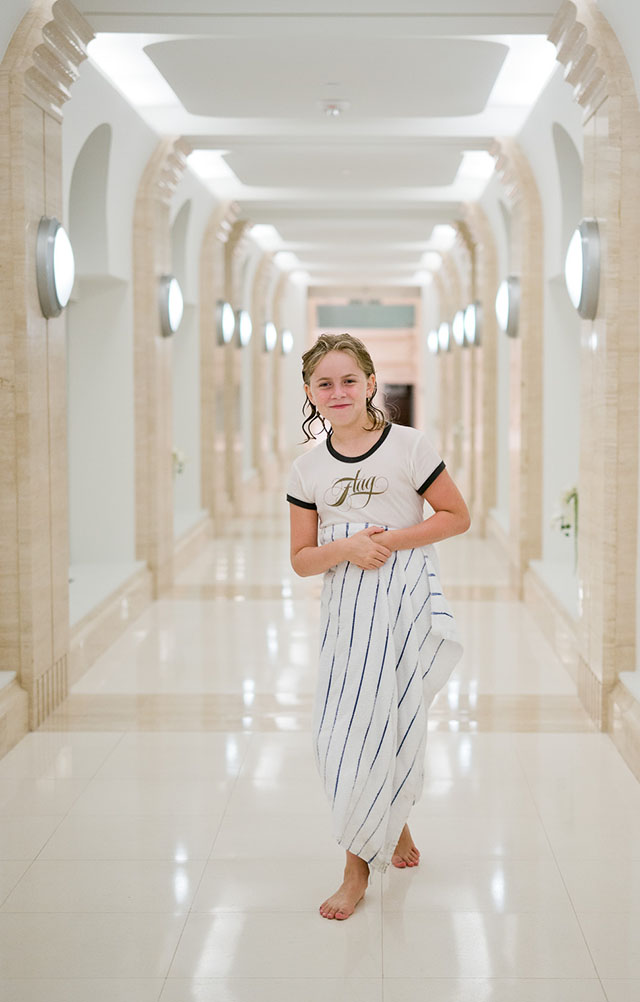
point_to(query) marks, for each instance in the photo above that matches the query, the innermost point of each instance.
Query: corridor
(164, 835)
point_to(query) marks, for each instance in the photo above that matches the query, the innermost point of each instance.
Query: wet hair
(310, 360)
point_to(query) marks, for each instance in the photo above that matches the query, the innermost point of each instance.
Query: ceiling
(348, 130)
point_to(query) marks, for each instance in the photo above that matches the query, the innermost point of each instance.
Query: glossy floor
(166, 837)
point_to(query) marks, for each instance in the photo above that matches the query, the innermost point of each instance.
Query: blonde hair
(311, 359)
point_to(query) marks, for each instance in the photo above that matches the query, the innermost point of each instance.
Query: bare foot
(406, 853)
(356, 879)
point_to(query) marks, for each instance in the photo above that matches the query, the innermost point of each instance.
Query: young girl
(388, 639)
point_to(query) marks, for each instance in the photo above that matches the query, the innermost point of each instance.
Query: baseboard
(14, 716)
(190, 543)
(554, 620)
(624, 721)
(101, 627)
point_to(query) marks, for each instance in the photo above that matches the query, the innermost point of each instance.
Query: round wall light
(508, 305)
(432, 342)
(444, 336)
(225, 322)
(472, 323)
(582, 268)
(55, 267)
(270, 336)
(458, 328)
(244, 328)
(171, 305)
(286, 342)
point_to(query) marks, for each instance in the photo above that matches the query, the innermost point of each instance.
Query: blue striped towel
(388, 644)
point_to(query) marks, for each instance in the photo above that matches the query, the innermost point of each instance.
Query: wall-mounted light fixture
(225, 322)
(244, 328)
(473, 323)
(508, 305)
(55, 267)
(270, 336)
(286, 342)
(432, 342)
(171, 305)
(458, 328)
(582, 268)
(444, 336)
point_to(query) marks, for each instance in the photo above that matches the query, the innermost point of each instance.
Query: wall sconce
(225, 322)
(473, 323)
(458, 328)
(508, 305)
(244, 328)
(444, 336)
(270, 336)
(582, 268)
(171, 305)
(55, 267)
(432, 342)
(286, 342)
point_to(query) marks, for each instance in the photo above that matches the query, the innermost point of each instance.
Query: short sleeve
(426, 464)
(296, 493)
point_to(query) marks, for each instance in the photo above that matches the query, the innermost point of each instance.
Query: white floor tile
(24, 837)
(170, 837)
(493, 990)
(295, 945)
(612, 885)
(106, 886)
(176, 756)
(304, 836)
(11, 872)
(39, 797)
(154, 796)
(87, 946)
(55, 755)
(614, 942)
(474, 945)
(625, 990)
(81, 989)
(273, 990)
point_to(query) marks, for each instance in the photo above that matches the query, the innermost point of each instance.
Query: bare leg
(356, 879)
(406, 853)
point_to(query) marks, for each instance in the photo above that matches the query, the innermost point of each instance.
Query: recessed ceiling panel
(388, 164)
(288, 77)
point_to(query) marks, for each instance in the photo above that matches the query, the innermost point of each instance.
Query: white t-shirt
(382, 487)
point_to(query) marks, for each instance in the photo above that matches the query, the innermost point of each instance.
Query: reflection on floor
(165, 837)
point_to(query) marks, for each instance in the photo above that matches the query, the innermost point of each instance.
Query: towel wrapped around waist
(388, 644)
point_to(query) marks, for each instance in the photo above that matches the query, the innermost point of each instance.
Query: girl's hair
(311, 358)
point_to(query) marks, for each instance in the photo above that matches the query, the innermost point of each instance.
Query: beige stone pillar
(36, 74)
(215, 496)
(152, 363)
(485, 363)
(263, 364)
(465, 405)
(525, 376)
(608, 479)
(235, 248)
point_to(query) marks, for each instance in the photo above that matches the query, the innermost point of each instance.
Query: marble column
(36, 75)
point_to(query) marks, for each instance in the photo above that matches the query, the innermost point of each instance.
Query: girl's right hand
(365, 551)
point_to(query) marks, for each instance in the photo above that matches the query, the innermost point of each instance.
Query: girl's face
(339, 389)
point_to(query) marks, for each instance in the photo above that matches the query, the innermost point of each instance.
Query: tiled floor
(166, 837)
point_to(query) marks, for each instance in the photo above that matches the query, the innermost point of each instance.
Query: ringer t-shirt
(382, 487)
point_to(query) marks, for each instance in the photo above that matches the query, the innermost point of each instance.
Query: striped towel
(388, 645)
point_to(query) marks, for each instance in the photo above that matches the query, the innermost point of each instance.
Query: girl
(388, 639)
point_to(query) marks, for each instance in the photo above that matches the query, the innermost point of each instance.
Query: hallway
(164, 835)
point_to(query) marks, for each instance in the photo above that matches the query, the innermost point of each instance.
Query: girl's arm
(451, 517)
(365, 548)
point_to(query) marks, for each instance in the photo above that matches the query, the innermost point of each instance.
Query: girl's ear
(371, 385)
(309, 396)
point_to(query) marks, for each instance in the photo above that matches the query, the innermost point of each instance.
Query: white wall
(100, 330)
(12, 13)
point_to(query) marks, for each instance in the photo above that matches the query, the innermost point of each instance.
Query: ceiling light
(55, 267)
(244, 328)
(432, 342)
(210, 165)
(582, 268)
(225, 322)
(508, 305)
(458, 328)
(171, 305)
(333, 107)
(270, 336)
(266, 236)
(431, 260)
(443, 236)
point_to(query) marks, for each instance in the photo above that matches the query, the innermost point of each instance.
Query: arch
(179, 233)
(570, 173)
(505, 215)
(88, 226)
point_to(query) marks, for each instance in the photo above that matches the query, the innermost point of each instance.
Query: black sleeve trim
(436, 473)
(302, 504)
